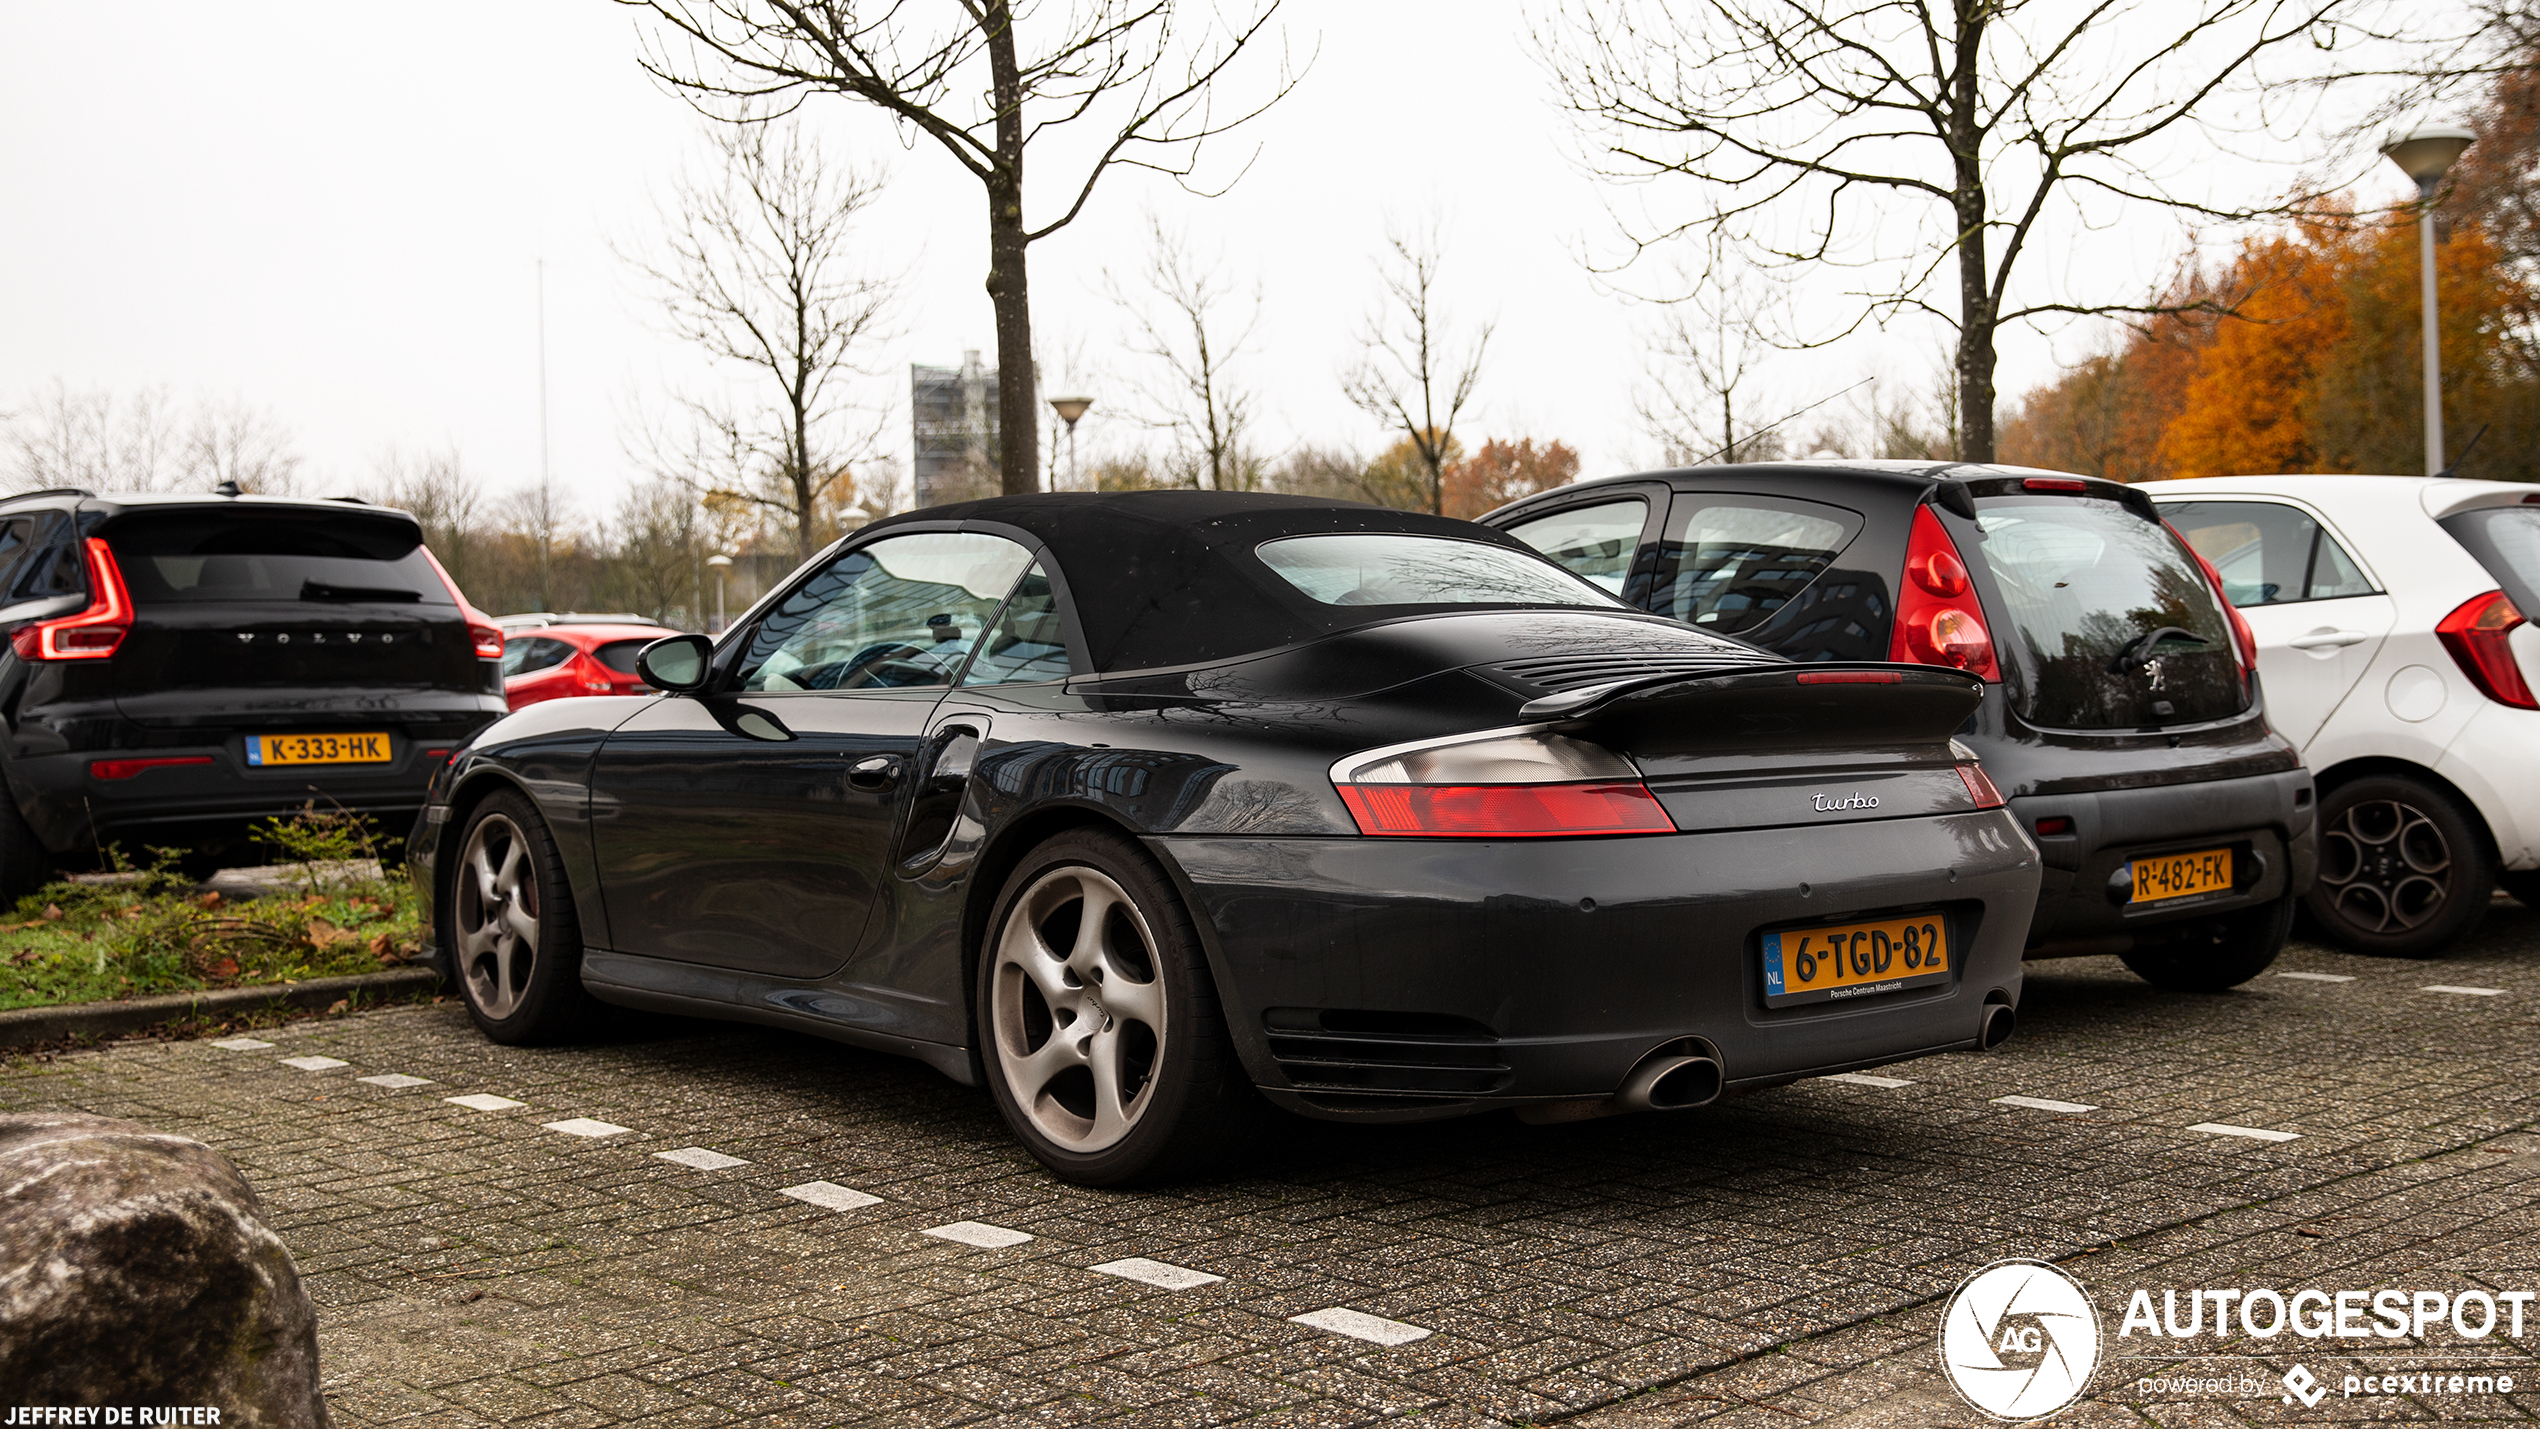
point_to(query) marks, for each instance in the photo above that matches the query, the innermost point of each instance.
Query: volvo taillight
(1939, 621)
(1510, 784)
(2480, 637)
(94, 633)
(482, 632)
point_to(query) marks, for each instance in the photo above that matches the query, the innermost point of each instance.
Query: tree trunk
(1975, 286)
(1018, 408)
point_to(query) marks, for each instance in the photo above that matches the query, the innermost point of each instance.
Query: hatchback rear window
(1388, 569)
(195, 556)
(2506, 540)
(2118, 625)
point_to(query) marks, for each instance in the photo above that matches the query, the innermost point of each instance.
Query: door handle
(874, 772)
(2325, 639)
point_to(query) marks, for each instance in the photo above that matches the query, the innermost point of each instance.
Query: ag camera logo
(2019, 1340)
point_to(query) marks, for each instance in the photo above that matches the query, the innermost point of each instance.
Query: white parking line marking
(1360, 1326)
(701, 1158)
(1864, 1079)
(395, 1081)
(315, 1064)
(1155, 1273)
(584, 1126)
(2465, 991)
(986, 1237)
(484, 1101)
(2317, 977)
(2253, 1133)
(2041, 1104)
(242, 1044)
(830, 1196)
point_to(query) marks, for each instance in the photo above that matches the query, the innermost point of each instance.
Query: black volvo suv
(2122, 714)
(178, 667)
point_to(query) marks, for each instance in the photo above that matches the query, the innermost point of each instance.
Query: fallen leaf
(323, 934)
(53, 911)
(209, 900)
(379, 945)
(226, 967)
(337, 1006)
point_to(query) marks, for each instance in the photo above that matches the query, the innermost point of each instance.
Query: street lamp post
(722, 565)
(1071, 410)
(2423, 154)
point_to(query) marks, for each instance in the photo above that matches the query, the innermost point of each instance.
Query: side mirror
(676, 663)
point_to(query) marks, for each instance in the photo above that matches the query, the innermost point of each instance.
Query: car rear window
(2506, 540)
(195, 556)
(1391, 569)
(1598, 542)
(2081, 583)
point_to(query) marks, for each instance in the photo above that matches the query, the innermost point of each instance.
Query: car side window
(2267, 552)
(1729, 563)
(53, 568)
(1029, 644)
(15, 536)
(619, 655)
(1597, 542)
(902, 612)
(528, 655)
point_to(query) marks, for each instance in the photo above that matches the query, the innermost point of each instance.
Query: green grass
(146, 931)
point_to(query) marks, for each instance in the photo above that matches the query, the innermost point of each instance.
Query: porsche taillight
(1497, 786)
(94, 633)
(1939, 621)
(2480, 636)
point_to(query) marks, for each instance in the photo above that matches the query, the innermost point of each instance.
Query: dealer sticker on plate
(1845, 960)
(318, 749)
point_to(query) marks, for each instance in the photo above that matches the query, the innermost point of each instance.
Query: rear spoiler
(1821, 705)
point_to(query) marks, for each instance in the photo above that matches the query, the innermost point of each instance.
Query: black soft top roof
(1169, 577)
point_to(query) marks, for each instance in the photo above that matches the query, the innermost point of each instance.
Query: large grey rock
(136, 1269)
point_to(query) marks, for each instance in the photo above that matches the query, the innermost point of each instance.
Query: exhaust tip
(1684, 1073)
(1999, 1022)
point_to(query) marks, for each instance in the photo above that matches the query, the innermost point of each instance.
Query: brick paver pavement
(1778, 1259)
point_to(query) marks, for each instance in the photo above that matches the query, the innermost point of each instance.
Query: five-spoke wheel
(514, 946)
(2403, 870)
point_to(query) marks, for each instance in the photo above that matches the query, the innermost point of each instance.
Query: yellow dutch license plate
(265, 749)
(2178, 875)
(1845, 960)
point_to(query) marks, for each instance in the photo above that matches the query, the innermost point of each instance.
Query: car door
(751, 826)
(2317, 615)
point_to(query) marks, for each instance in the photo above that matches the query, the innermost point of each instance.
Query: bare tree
(142, 442)
(1185, 324)
(1709, 342)
(1415, 373)
(760, 271)
(1117, 65)
(237, 443)
(1908, 139)
(658, 549)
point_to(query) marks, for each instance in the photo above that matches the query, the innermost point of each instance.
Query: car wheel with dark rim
(2215, 954)
(515, 946)
(2404, 869)
(1100, 1031)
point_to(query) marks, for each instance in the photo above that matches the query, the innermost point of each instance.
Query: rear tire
(25, 866)
(2405, 870)
(1103, 1043)
(2217, 954)
(514, 944)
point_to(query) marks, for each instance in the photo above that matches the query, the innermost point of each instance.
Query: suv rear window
(2506, 540)
(2081, 583)
(214, 556)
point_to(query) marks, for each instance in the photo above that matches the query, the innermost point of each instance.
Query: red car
(552, 662)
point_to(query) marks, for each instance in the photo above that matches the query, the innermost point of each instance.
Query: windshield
(2506, 540)
(2117, 622)
(1395, 569)
(272, 557)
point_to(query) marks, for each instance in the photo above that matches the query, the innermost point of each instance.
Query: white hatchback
(2396, 657)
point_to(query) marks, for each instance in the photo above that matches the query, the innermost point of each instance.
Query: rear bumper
(179, 805)
(2268, 820)
(1402, 979)
(2495, 760)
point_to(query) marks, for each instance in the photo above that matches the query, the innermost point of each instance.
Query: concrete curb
(32, 1026)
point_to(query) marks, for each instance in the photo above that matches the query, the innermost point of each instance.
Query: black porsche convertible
(1143, 808)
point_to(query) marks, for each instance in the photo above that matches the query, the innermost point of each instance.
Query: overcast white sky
(337, 212)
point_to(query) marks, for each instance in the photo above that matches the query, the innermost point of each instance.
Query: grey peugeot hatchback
(2121, 715)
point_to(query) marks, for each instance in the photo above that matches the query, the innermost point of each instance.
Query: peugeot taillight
(2480, 637)
(482, 632)
(94, 633)
(1939, 621)
(2244, 641)
(1525, 784)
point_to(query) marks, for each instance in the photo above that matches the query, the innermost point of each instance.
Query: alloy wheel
(496, 910)
(2386, 867)
(1077, 1009)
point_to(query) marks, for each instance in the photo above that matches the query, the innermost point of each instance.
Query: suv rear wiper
(2126, 654)
(320, 590)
